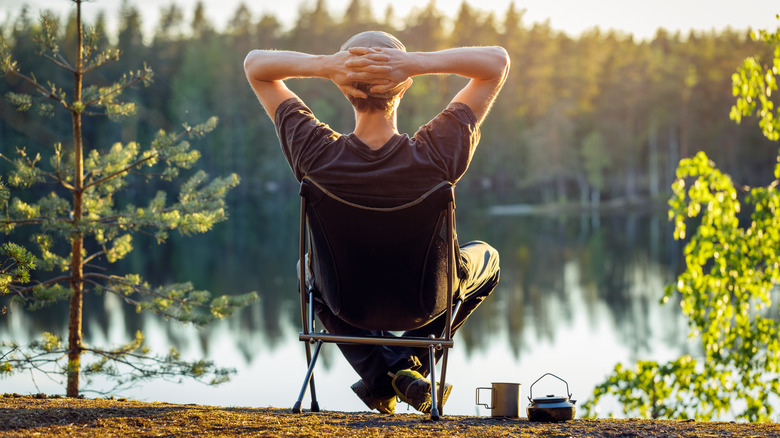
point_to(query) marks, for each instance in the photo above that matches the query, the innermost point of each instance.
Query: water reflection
(577, 295)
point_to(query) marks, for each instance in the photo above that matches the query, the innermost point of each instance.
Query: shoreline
(39, 415)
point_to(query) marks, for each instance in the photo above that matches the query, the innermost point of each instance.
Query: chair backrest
(381, 268)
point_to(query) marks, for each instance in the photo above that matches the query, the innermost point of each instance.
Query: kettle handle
(531, 389)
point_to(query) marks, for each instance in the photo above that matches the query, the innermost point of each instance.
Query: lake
(578, 294)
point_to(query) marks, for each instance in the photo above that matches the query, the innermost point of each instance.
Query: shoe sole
(361, 390)
(426, 405)
(447, 389)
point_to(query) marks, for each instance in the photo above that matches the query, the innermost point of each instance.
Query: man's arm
(487, 67)
(267, 69)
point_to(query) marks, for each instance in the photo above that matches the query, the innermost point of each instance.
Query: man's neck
(375, 128)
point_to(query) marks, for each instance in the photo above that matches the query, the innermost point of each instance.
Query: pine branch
(104, 58)
(121, 171)
(9, 352)
(35, 221)
(136, 163)
(24, 290)
(136, 287)
(121, 296)
(175, 301)
(62, 62)
(144, 366)
(93, 113)
(28, 221)
(63, 183)
(119, 89)
(41, 89)
(92, 257)
(57, 177)
(126, 364)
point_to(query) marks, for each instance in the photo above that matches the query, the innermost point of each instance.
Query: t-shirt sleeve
(452, 137)
(301, 135)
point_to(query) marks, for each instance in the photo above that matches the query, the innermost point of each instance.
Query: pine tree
(83, 185)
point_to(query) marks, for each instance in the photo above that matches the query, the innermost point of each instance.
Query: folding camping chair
(402, 257)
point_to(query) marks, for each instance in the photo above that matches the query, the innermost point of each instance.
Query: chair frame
(310, 337)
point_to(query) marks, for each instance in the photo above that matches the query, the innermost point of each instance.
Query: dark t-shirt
(401, 170)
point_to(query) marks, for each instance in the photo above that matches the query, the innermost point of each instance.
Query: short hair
(372, 103)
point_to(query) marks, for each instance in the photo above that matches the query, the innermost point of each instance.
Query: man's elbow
(259, 66)
(501, 61)
(250, 61)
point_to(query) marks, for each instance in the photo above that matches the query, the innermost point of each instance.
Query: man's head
(375, 101)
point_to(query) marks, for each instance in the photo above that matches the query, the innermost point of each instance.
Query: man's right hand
(384, 68)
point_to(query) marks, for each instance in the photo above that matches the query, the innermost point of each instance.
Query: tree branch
(62, 182)
(119, 172)
(132, 165)
(96, 66)
(91, 257)
(117, 90)
(63, 63)
(48, 282)
(41, 89)
(120, 280)
(58, 178)
(122, 296)
(139, 288)
(25, 221)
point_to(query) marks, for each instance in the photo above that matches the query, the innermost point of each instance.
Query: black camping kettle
(550, 408)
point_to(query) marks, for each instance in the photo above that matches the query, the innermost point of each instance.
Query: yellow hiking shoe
(414, 389)
(383, 405)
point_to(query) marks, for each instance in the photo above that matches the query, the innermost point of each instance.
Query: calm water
(577, 295)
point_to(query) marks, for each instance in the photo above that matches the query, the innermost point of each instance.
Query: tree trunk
(76, 265)
(674, 155)
(560, 185)
(652, 144)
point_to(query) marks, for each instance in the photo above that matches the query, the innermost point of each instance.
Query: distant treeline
(597, 117)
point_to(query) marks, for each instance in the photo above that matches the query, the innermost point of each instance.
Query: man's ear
(408, 84)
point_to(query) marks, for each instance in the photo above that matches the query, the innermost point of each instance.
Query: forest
(600, 120)
(597, 118)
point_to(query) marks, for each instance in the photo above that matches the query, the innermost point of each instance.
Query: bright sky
(639, 17)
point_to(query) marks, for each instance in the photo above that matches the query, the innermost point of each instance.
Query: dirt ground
(41, 416)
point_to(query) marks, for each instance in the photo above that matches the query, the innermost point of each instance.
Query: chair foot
(309, 380)
(435, 414)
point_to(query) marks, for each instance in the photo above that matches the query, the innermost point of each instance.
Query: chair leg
(309, 379)
(443, 382)
(315, 406)
(437, 398)
(434, 398)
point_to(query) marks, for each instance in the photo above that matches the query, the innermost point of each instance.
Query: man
(373, 70)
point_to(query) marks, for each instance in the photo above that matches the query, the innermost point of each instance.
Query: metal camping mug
(504, 400)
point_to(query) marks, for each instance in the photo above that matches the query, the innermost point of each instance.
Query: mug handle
(491, 397)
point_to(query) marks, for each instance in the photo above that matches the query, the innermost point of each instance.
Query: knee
(490, 259)
(492, 266)
(481, 262)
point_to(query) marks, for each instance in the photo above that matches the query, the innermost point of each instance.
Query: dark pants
(373, 362)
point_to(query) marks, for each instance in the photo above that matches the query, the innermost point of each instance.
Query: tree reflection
(553, 269)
